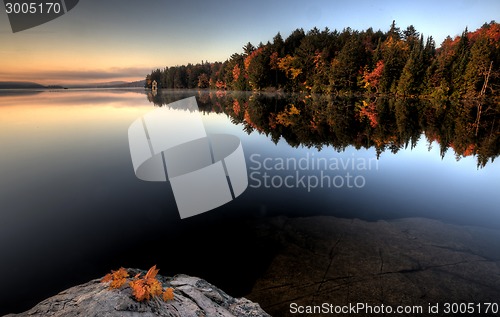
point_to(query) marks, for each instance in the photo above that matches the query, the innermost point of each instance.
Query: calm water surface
(71, 207)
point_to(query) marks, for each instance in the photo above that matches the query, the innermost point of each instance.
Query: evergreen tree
(310, 46)
(377, 53)
(462, 55)
(394, 54)
(278, 45)
(170, 77)
(429, 50)
(438, 75)
(164, 74)
(293, 41)
(248, 49)
(410, 82)
(394, 32)
(411, 36)
(477, 68)
(257, 66)
(347, 66)
(180, 77)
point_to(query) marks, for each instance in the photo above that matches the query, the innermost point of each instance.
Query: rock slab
(408, 262)
(192, 297)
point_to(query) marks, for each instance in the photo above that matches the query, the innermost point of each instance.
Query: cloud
(78, 76)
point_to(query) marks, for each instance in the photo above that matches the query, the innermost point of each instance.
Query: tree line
(400, 62)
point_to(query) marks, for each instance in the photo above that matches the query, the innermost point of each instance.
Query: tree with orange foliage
(257, 67)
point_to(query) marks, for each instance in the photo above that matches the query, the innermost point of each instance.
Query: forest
(397, 62)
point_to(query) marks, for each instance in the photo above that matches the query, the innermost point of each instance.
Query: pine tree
(394, 54)
(394, 32)
(348, 65)
(478, 67)
(293, 41)
(278, 45)
(411, 36)
(410, 82)
(248, 49)
(462, 56)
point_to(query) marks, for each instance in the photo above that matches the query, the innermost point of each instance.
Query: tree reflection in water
(386, 124)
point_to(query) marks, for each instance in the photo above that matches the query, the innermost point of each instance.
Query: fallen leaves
(147, 287)
(117, 278)
(168, 294)
(143, 288)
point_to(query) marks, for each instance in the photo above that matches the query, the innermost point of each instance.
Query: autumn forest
(397, 62)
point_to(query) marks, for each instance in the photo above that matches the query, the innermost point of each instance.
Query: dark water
(71, 208)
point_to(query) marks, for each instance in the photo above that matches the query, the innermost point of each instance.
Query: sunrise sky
(111, 40)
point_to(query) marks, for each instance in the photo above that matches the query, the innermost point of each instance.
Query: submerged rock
(192, 297)
(407, 262)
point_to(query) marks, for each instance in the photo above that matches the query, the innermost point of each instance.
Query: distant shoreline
(33, 85)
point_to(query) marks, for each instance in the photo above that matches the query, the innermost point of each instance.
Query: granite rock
(193, 297)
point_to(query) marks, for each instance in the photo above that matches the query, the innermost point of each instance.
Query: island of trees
(397, 62)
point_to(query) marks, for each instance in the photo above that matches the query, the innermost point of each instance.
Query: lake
(72, 209)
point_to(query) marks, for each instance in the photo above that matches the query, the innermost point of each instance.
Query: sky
(123, 40)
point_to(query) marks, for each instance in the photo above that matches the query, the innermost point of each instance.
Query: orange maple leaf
(138, 290)
(168, 294)
(117, 278)
(151, 273)
(147, 287)
(107, 278)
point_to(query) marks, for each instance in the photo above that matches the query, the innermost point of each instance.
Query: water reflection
(469, 128)
(72, 209)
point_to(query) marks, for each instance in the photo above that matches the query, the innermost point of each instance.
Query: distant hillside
(97, 85)
(139, 83)
(20, 85)
(111, 84)
(31, 85)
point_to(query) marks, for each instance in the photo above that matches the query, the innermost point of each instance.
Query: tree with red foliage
(372, 79)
